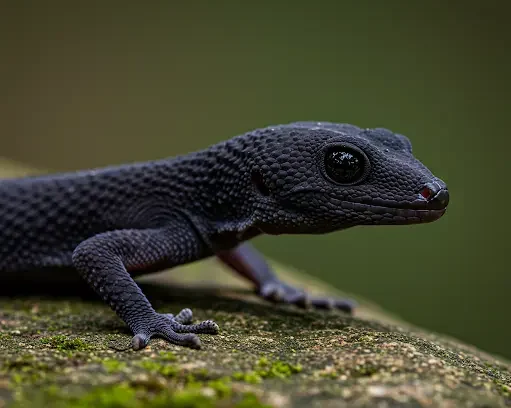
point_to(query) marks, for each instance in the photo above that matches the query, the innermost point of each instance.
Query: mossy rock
(70, 350)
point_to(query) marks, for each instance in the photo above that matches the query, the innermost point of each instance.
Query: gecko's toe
(185, 316)
(205, 327)
(297, 297)
(274, 292)
(280, 292)
(186, 340)
(302, 300)
(345, 305)
(192, 341)
(323, 303)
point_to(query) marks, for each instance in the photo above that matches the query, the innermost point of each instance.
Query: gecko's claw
(280, 292)
(170, 327)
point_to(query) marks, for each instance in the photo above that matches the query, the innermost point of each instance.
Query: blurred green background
(85, 85)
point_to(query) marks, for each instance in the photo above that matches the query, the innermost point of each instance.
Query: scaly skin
(302, 178)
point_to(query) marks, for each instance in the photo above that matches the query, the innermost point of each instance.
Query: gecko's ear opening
(258, 182)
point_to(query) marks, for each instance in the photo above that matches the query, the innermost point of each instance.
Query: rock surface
(69, 350)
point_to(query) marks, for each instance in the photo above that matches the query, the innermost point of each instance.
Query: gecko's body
(110, 224)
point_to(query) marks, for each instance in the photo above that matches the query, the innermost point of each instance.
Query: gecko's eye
(345, 165)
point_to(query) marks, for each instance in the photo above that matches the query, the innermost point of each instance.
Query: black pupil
(344, 166)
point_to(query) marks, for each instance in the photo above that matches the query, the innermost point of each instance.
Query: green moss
(17, 362)
(167, 356)
(202, 374)
(113, 366)
(329, 374)
(249, 400)
(63, 343)
(25, 369)
(503, 389)
(124, 395)
(250, 377)
(228, 372)
(166, 370)
(190, 397)
(117, 396)
(276, 369)
(171, 370)
(221, 386)
(266, 369)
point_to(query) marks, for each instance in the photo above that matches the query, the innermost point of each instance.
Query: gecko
(109, 225)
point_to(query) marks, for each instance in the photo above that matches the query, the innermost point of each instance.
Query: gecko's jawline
(400, 215)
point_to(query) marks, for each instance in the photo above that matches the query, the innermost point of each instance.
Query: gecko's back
(43, 218)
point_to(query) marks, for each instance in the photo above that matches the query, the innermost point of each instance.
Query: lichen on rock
(64, 352)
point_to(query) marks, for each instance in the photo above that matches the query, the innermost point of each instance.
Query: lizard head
(320, 177)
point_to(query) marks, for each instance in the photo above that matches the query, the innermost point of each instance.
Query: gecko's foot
(280, 292)
(170, 327)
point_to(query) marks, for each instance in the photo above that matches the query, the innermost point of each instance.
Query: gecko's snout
(436, 194)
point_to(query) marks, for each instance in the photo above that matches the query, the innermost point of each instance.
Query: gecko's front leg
(105, 261)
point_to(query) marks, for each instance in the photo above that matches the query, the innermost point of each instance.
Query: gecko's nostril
(427, 193)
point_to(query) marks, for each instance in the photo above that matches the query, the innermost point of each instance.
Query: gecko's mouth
(384, 211)
(396, 215)
(429, 206)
